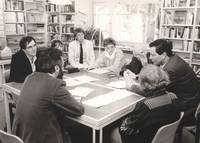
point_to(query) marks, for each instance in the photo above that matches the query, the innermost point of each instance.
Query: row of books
(53, 19)
(14, 5)
(67, 29)
(68, 8)
(52, 8)
(36, 8)
(179, 17)
(53, 28)
(35, 18)
(13, 17)
(182, 45)
(36, 28)
(67, 19)
(14, 29)
(67, 38)
(179, 3)
(177, 32)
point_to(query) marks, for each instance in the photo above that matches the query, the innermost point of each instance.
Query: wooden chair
(167, 133)
(9, 138)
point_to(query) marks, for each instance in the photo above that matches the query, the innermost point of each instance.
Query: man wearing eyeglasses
(22, 63)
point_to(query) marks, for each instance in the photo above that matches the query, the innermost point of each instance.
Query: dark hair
(135, 66)
(25, 41)
(162, 45)
(78, 30)
(108, 41)
(53, 43)
(47, 60)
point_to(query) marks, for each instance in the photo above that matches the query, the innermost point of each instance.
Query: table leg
(101, 135)
(7, 112)
(93, 135)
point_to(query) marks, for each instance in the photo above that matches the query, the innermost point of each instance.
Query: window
(127, 22)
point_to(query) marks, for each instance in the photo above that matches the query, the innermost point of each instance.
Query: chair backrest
(9, 138)
(197, 112)
(166, 133)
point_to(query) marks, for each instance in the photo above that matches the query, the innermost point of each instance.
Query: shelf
(14, 22)
(181, 51)
(15, 34)
(67, 13)
(36, 23)
(178, 8)
(14, 11)
(42, 32)
(34, 12)
(53, 23)
(177, 25)
(180, 39)
(67, 33)
(53, 13)
(68, 24)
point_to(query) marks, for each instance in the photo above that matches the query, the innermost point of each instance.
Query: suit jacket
(184, 82)
(20, 67)
(74, 53)
(148, 116)
(42, 102)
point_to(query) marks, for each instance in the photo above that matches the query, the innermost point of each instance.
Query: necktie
(81, 54)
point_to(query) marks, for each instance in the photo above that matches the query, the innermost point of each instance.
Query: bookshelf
(14, 22)
(60, 23)
(35, 21)
(180, 22)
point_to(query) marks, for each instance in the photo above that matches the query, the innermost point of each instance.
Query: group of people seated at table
(166, 80)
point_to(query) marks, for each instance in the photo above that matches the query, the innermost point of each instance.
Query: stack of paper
(81, 91)
(99, 71)
(107, 98)
(118, 84)
(79, 80)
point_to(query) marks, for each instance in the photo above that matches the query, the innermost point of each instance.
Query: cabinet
(60, 23)
(180, 22)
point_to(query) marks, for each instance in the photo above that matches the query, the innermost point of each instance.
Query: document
(99, 71)
(120, 84)
(79, 80)
(81, 91)
(108, 98)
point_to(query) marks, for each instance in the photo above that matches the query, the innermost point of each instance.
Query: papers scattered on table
(79, 80)
(107, 98)
(81, 91)
(99, 71)
(118, 84)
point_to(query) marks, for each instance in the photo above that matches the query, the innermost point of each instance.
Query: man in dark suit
(44, 102)
(22, 63)
(183, 80)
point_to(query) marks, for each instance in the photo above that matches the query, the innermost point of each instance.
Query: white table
(95, 118)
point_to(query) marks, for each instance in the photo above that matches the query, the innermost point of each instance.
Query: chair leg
(179, 136)
(197, 130)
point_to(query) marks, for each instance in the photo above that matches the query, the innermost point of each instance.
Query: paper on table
(81, 91)
(107, 98)
(99, 71)
(117, 84)
(79, 80)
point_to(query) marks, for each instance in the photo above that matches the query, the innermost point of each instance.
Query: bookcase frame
(193, 42)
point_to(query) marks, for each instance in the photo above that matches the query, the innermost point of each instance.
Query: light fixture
(60, 2)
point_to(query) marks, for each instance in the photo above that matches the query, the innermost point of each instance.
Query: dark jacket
(148, 116)
(20, 67)
(184, 82)
(43, 101)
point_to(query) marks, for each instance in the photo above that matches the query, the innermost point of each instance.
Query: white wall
(84, 10)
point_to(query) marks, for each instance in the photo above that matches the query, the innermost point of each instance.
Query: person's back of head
(153, 77)
(25, 41)
(162, 46)
(57, 44)
(48, 59)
